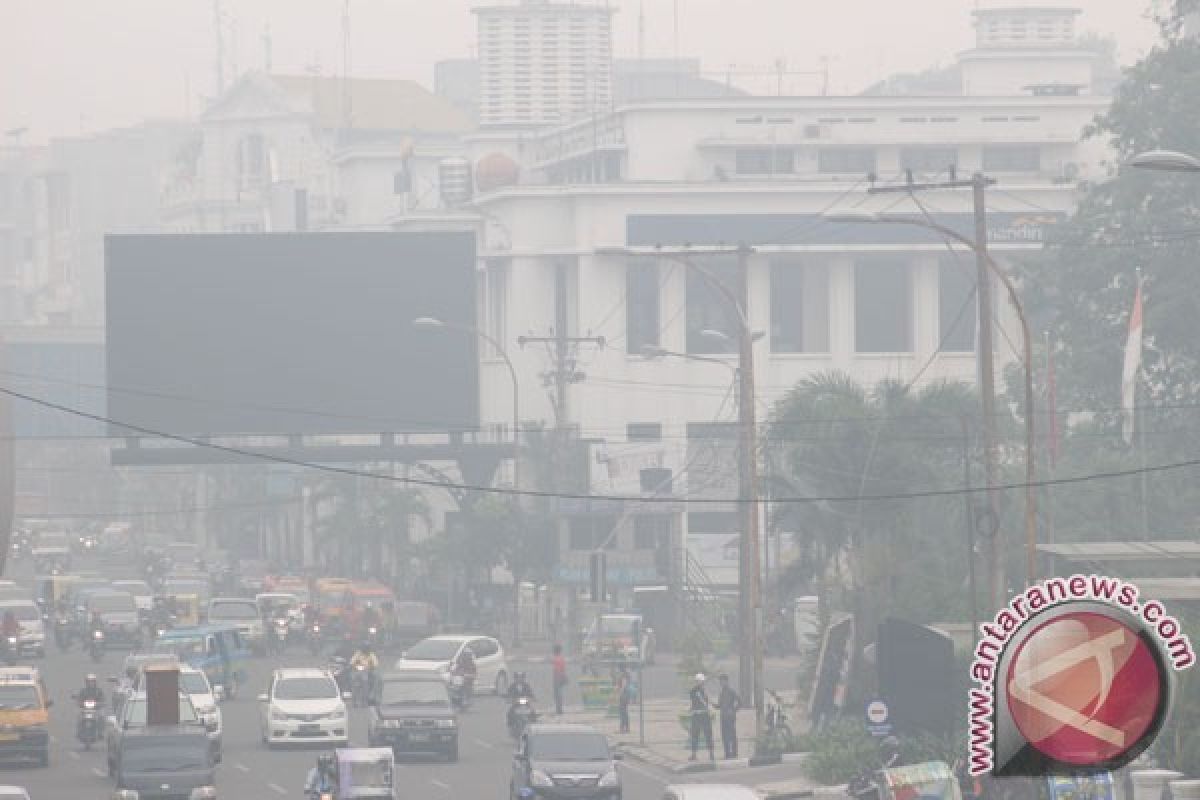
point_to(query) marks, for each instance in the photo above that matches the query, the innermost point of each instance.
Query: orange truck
(358, 596)
(331, 599)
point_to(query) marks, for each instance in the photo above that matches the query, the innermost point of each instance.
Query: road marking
(99, 773)
(439, 784)
(276, 788)
(485, 745)
(241, 767)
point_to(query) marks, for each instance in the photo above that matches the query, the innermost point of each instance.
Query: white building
(874, 301)
(543, 62)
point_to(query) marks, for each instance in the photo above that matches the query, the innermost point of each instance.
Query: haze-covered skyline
(69, 67)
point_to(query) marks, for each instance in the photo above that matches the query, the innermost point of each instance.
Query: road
(249, 771)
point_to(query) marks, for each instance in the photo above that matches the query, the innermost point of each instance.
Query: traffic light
(598, 575)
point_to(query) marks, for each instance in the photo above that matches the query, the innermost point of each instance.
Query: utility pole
(978, 184)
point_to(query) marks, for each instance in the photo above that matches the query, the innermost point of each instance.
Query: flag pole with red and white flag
(1132, 365)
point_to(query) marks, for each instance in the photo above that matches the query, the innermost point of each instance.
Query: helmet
(90, 680)
(325, 762)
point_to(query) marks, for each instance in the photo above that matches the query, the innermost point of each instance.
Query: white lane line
(485, 745)
(440, 784)
(73, 755)
(276, 788)
(241, 767)
(99, 773)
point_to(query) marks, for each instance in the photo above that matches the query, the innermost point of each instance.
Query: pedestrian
(728, 703)
(701, 718)
(559, 663)
(624, 692)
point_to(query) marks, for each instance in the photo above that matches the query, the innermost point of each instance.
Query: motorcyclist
(365, 657)
(465, 666)
(321, 778)
(91, 691)
(519, 688)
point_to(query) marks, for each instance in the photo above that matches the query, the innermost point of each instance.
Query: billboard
(291, 333)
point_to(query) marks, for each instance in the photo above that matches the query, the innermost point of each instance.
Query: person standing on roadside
(701, 718)
(624, 693)
(559, 663)
(728, 703)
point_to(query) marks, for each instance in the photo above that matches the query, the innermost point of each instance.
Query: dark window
(709, 309)
(929, 159)
(1012, 158)
(588, 533)
(852, 160)
(651, 531)
(882, 300)
(799, 307)
(956, 306)
(643, 432)
(765, 161)
(641, 305)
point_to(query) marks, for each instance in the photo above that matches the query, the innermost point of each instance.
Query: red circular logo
(1084, 688)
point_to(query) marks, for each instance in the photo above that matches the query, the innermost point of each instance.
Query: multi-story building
(543, 62)
(589, 238)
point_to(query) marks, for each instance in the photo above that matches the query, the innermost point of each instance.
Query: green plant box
(597, 692)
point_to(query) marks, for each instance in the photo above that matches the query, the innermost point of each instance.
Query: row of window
(781, 159)
(883, 307)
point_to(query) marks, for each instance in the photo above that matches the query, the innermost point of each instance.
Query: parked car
(565, 761)
(303, 705)
(438, 654)
(414, 715)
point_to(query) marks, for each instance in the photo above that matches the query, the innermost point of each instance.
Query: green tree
(367, 525)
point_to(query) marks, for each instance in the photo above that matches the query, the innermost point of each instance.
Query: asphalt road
(250, 771)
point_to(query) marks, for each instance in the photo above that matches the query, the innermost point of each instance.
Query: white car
(709, 791)
(13, 793)
(304, 705)
(32, 637)
(438, 654)
(195, 685)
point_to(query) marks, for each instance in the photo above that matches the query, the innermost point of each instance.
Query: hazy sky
(71, 66)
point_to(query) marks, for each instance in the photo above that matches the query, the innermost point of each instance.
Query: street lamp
(750, 672)
(432, 323)
(853, 217)
(1166, 161)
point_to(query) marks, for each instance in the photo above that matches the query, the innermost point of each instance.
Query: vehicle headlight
(539, 778)
(445, 723)
(278, 716)
(610, 779)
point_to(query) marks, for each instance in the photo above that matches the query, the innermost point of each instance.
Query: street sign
(877, 718)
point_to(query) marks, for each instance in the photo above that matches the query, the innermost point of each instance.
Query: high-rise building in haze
(543, 62)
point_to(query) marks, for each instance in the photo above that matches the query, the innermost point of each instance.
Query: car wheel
(501, 683)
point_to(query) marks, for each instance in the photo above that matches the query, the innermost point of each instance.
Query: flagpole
(1052, 429)
(1140, 416)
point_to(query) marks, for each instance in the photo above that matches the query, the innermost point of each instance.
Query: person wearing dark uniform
(728, 703)
(701, 718)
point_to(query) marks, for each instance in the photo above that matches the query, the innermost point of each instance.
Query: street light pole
(431, 323)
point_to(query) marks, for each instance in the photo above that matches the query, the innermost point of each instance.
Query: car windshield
(182, 646)
(25, 612)
(112, 602)
(305, 689)
(433, 650)
(135, 714)
(136, 588)
(229, 610)
(569, 747)
(621, 626)
(18, 698)
(165, 754)
(414, 693)
(193, 683)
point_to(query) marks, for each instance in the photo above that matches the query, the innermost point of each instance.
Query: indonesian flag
(1133, 364)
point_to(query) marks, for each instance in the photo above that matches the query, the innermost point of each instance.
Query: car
(242, 612)
(31, 639)
(13, 793)
(564, 761)
(131, 717)
(24, 715)
(118, 612)
(438, 653)
(195, 685)
(143, 595)
(303, 705)
(414, 715)
(709, 791)
(164, 761)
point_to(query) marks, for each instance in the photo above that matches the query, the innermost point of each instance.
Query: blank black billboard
(291, 332)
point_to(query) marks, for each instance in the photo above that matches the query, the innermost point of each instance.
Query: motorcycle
(779, 732)
(62, 633)
(89, 723)
(520, 716)
(280, 630)
(865, 785)
(96, 648)
(460, 688)
(314, 638)
(373, 635)
(360, 685)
